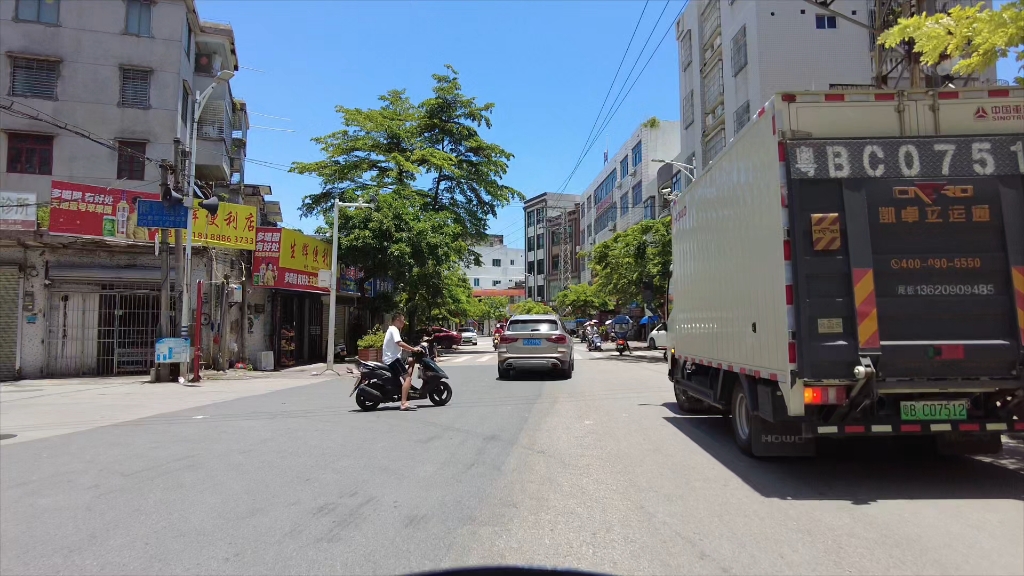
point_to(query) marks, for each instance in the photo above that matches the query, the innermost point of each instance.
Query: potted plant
(371, 345)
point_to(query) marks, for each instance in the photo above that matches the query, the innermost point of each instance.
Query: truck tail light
(558, 339)
(824, 394)
(507, 339)
(792, 352)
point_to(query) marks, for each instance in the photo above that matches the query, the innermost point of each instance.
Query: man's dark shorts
(397, 368)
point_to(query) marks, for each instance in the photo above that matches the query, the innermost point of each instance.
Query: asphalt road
(600, 473)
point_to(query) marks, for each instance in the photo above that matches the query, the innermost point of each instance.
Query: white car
(658, 337)
(468, 335)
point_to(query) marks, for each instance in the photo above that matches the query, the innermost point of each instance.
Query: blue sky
(545, 65)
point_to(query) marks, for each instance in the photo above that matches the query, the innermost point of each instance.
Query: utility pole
(163, 373)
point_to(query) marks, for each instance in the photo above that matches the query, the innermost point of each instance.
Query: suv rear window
(533, 326)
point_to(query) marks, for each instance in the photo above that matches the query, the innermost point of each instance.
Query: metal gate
(10, 288)
(102, 330)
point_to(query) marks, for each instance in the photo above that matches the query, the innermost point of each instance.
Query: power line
(618, 69)
(611, 113)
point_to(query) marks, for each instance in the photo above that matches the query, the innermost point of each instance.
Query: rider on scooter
(393, 346)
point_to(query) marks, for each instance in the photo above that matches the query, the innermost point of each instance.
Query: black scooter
(376, 385)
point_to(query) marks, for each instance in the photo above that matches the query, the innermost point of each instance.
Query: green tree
(978, 37)
(531, 307)
(438, 296)
(640, 254)
(581, 301)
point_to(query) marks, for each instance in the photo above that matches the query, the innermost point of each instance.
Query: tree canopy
(531, 307)
(488, 308)
(978, 37)
(638, 256)
(581, 301)
(434, 182)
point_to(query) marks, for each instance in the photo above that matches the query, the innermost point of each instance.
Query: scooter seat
(377, 365)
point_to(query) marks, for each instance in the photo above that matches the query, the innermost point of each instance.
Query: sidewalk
(34, 409)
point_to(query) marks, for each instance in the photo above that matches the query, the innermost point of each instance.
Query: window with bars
(186, 102)
(540, 241)
(638, 155)
(714, 87)
(186, 38)
(138, 17)
(638, 194)
(496, 262)
(686, 51)
(42, 11)
(710, 22)
(34, 78)
(29, 153)
(213, 120)
(741, 116)
(624, 204)
(739, 50)
(134, 88)
(649, 209)
(714, 145)
(529, 244)
(688, 109)
(131, 160)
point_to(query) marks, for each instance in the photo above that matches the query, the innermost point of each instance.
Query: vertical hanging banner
(289, 259)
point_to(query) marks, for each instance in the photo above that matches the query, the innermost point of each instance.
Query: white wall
(507, 274)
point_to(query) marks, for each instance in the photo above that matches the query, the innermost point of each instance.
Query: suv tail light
(558, 339)
(507, 339)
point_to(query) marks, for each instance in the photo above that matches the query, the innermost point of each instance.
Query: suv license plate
(934, 410)
(531, 342)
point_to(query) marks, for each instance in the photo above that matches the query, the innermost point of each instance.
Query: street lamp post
(690, 171)
(334, 282)
(186, 303)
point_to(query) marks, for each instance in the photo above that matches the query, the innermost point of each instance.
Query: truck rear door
(909, 251)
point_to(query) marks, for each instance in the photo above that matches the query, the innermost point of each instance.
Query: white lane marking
(460, 359)
(486, 358)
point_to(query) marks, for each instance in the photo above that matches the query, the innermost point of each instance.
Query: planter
(370, 354)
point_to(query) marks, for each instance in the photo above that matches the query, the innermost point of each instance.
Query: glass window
(34, 78)
(741, 116)
(638, 156)
(624, 204)
(131, 160)
(540, 266)
(624, 168)
(691, 160)
(476, 282)
(186, 38)
(529, 292)
(529, 218)
(134, 88)
(529, 243)
(603, 193)
(139, 17)
(605, 218)
(638, 194)
(677, 182)
(824, 22)
(540, 292)
(649, 209)
(511, 262)
(590, 231)
(714, 146)
(186, 103)
(44, 11)
(540, 241)
(739, 50)
(29, 154)
(496, 262)
(495, 283)
(555, 264)
(686, 50)
(688, 109)
(529, 267)
(540, 216)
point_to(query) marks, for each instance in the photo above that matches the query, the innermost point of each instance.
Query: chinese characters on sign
(289, 259)
(934, 214)
(85, 210)
(17, 211)
(234, 226)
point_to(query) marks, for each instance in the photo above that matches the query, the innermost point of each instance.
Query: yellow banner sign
(306, 253)
(234, 226)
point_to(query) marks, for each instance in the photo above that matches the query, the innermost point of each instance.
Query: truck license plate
(934, 410)
(531, 342)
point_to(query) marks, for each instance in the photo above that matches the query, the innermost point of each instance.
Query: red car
(445, 338)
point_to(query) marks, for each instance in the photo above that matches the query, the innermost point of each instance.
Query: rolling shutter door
(9, 288)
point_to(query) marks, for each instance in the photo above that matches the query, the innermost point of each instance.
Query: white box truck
(852, 264)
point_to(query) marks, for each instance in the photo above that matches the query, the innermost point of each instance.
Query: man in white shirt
(393, 347)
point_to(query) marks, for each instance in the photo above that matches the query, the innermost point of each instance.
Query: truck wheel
(688, 403)
(742, 419)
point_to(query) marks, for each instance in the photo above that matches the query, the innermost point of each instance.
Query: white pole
(186, 280)
(334, 295)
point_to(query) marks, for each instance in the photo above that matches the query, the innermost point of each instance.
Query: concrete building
(93, 93)
(503, 266)
(546, 215)
(625, 190)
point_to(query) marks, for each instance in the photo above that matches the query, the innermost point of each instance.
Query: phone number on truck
(946, 289)
(934, 263)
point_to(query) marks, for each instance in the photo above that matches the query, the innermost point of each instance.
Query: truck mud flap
(961, 444)
(770, 439)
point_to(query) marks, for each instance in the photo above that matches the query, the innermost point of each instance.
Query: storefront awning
(105, 274)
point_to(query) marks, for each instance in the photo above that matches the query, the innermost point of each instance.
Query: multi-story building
(547, 215)
(625, 191)
(98, 93)
(502, 266)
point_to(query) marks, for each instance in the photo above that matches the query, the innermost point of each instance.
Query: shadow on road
(862, 471)
(613, 356)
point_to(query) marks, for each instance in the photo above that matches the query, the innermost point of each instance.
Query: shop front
(287, 263)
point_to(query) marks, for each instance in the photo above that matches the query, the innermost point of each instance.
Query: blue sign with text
(156, 214)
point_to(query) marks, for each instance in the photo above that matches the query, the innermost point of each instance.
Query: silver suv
(535, 342)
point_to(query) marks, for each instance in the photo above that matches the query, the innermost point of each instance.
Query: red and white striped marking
(884, 96)
(923, 427)
(747, 370)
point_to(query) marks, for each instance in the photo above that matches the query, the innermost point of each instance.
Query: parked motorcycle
(376, 385)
